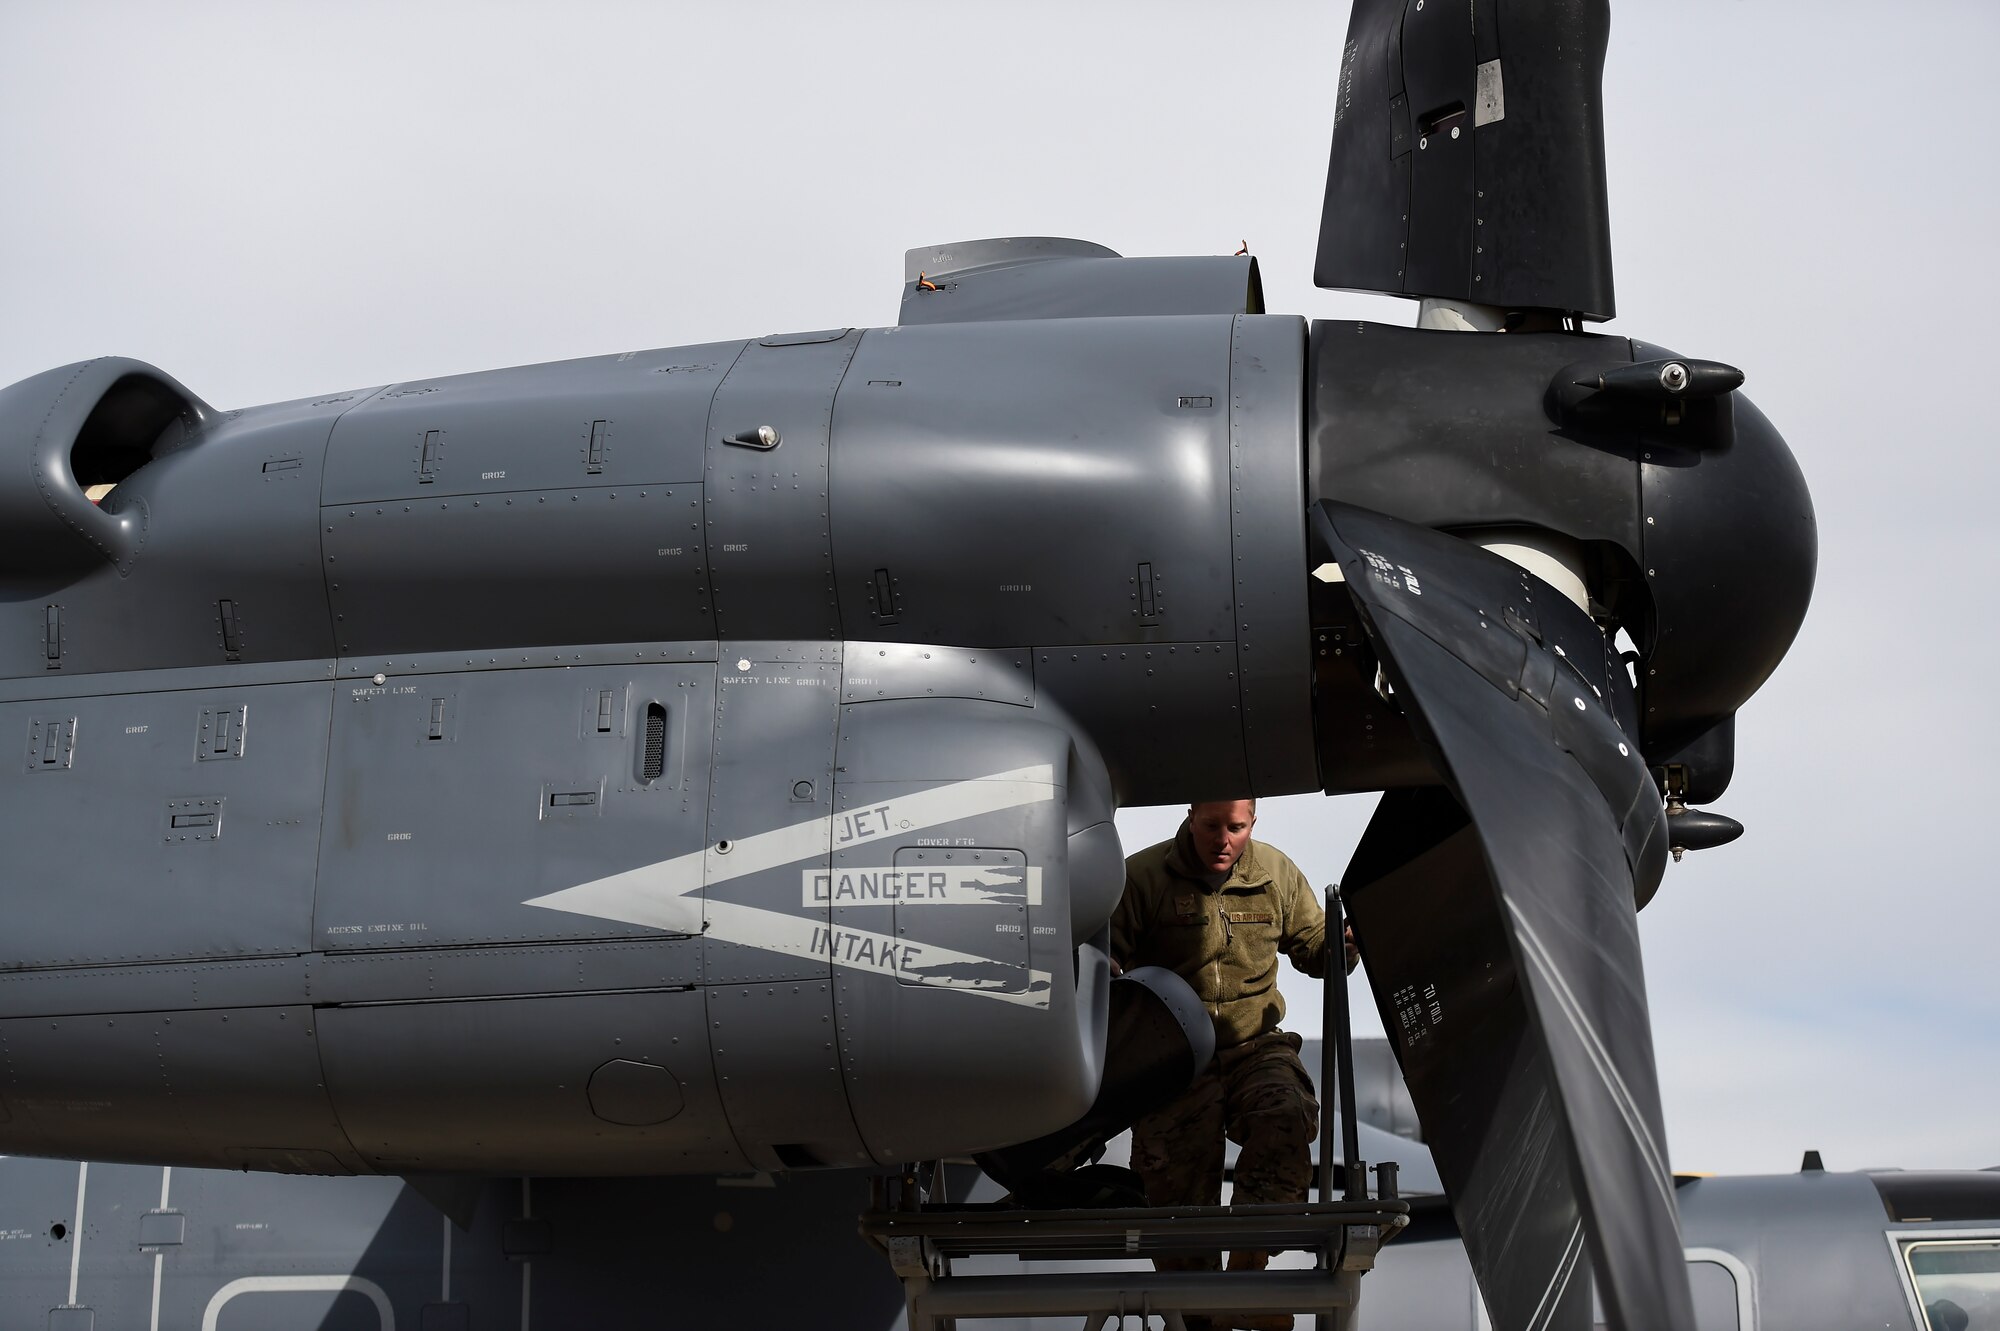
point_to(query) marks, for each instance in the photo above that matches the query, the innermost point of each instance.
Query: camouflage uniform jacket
(1224, 941)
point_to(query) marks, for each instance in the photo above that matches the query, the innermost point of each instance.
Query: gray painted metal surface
(367, 1254)
(1779, 1252)
(218, 790)
(1770, 1253)
(1012, 477)
(519, 815)
(1268, 538)
(614, 841)
(1043, 277)
(419, 1090)
(436, 778)
(704, 758)
(766, 518)
(582, 480)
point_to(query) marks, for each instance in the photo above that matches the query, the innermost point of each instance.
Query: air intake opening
(131, 424)
(793, 1155)
(653, 761)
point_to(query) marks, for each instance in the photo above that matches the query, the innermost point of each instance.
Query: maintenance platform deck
(922, 1244)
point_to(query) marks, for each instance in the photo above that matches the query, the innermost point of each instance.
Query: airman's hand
(1353, 952)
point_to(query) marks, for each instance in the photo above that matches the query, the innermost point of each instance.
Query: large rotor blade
(1498, 921)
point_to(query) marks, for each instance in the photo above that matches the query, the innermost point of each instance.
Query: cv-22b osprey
(704, 759)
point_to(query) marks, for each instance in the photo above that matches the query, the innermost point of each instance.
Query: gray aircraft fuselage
(1793, 1252)
(503, 768)
(702, 761)
(688, 760)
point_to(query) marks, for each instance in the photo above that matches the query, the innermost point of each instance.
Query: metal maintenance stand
(922, 1236)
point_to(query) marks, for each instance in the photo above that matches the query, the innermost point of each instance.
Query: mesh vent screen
(655, 761)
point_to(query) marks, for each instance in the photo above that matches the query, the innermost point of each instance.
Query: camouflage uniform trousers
(1259, 1094)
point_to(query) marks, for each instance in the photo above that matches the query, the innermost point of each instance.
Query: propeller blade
(1498, 919)
(1468, 155)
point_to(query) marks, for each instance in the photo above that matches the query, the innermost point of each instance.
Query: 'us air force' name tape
(965, 885)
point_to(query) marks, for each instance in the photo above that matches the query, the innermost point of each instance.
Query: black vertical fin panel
(1511, 210)
(1439, 80)
(1499, 922)
(1365, 221)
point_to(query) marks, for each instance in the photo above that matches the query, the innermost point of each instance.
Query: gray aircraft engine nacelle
(1668, 497)
(686, 761)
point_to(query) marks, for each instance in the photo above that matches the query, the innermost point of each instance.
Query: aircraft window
(1918, 1196)
(1958, 1283)
(1717, 1306)
(1714, 1297)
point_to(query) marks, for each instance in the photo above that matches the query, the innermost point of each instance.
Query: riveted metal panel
(80, 990)
(504, 1085)
(931, 992)
(433, 842)
(34, 1264)
(1267, 519)
(237, 1088)
(527, 569)
(980, 280)
(115, 1283)
(744, 653)
(162, 1229)
(162, 681)
(51, 744)
(779, 1074)
(999, 471)
(105, 876)
(766, 518)
(1450, 431)
(1162, 714)
(208, 524)
(530, 427)
(519, 970)
(246, 1221)
(634, 1094)
(981, 901)
(1738, 516)
(532, 658)
(769, 816)
(874, 671)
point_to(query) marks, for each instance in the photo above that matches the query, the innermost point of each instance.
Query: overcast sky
(271, 200)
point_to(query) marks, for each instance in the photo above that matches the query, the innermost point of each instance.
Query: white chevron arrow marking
(666, 895)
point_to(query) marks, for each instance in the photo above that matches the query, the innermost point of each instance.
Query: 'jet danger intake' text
(866, 951)
(931, 886)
